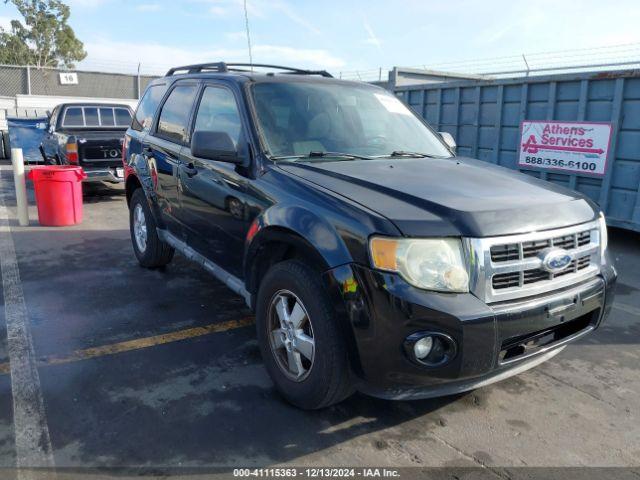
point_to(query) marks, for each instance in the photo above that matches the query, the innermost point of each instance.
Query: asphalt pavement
(133, 368)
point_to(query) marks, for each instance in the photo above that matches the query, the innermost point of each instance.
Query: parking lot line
(139, 343)
(146, 342)
(32, 440)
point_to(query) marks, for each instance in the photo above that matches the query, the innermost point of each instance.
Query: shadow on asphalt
(100, 192)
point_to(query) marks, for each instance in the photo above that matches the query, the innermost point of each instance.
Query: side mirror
(214, 146)
(449, 140)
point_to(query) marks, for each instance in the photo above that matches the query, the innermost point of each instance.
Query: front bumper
(103, 174)
(493, 341)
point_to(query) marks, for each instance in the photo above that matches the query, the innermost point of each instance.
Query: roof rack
(231, 67)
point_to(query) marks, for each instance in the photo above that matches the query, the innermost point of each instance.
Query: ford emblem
(555, 259)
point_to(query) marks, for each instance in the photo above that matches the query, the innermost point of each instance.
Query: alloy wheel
(140, 228)
(291, 335)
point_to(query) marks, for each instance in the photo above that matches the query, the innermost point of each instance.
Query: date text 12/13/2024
(316, 472)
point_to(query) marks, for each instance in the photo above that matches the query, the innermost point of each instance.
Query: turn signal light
(384, 253)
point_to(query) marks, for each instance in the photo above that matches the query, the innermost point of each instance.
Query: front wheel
(300, 339)
(150, 251)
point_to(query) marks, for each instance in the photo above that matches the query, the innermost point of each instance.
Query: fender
(310, 231)
(319, 240)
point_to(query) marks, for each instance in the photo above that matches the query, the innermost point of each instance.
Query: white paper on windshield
(392, 104)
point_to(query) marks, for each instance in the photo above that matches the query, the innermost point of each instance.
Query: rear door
(162, 146)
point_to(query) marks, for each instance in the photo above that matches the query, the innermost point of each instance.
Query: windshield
(298, 118)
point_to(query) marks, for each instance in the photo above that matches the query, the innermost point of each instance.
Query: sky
(343, 36)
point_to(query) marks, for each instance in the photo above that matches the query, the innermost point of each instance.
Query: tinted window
(218, 112)
(106, 117)
(147, 108)
(174, 117)
(123, 117)
(91, 117)
(73, 117)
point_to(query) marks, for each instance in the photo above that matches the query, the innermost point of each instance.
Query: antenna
(246, 24)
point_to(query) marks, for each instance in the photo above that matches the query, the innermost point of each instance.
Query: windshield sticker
(392, 104)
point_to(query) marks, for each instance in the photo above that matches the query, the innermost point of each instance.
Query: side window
(174, 116)
(218, 112)
(73, 117)
(147, 108)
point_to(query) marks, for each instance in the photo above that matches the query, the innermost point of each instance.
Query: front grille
(531, 249)
(534, 275)
(504, 253)
(511, 251)
(510, 267)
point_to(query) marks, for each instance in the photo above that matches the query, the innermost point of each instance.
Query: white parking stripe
(33, 443)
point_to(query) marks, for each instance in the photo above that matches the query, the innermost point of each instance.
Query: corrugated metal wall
(485, 116)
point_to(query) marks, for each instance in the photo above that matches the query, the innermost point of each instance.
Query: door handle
(189, 169)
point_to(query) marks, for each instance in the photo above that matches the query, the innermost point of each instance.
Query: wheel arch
(277, 243)
(132, 184)
(291, 232)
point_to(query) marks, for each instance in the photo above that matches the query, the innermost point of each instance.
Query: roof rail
(197, 68)
(230, 67)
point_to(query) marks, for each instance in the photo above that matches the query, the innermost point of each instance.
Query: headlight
(604, 238)
(429, 263)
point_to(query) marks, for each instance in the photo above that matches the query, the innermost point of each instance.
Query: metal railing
(586, 59)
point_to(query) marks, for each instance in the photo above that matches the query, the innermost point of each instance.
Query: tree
(44, 40)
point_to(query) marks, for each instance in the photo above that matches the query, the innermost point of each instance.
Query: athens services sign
(579, 147)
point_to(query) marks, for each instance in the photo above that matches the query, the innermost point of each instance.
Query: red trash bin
(58, 191)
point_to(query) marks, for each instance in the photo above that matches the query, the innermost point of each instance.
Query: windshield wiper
(403, 153)
(310, 155)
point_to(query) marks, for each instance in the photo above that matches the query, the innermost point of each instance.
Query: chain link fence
(26, 80)
(40, 84)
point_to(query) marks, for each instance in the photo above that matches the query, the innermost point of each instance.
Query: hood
(450, 197)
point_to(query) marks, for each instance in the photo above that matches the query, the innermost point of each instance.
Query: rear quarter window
(147, 107)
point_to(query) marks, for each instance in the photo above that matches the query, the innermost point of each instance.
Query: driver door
(214, 203)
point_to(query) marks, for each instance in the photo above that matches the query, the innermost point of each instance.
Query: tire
(153, 252)
(326, 378)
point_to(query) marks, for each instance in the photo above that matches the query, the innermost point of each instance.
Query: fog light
(423, 347)
(430, 349)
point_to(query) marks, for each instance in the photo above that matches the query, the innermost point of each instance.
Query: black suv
(374, 257)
